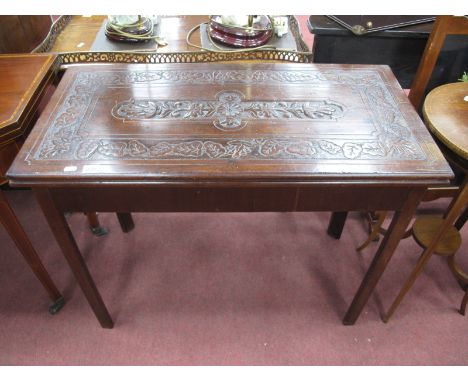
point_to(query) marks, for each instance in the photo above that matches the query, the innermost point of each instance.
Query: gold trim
(56, 28)
(181, 57)
(301, 55)
(296, 32)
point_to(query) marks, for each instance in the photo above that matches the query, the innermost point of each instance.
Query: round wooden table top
(446, 113)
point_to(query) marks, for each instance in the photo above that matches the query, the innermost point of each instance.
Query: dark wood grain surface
(22, 76)
(245, 122)
(446, 113)
(23, 82)
(23, 33)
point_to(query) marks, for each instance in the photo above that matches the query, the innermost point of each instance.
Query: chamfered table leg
(67, 243)
(94, 224)
(13, 227)
(400, 222)
(336, 225)
(125, 221)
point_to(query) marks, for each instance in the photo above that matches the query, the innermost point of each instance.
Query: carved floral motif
(229, 112)
(223, 148)
(201, 77)
(391, 138)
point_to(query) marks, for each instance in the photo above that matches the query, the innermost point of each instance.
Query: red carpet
(225, 289)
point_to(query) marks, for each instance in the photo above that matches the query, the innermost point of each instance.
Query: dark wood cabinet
(400, 48)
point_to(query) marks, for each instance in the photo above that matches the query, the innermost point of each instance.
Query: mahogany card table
(228, 138)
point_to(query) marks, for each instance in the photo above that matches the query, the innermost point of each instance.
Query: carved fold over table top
(156, 123)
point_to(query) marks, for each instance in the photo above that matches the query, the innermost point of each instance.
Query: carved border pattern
(391, 138)
(218, 77)
(229, 112)
(217, 148)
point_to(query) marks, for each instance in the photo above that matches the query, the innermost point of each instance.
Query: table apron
(235, 199)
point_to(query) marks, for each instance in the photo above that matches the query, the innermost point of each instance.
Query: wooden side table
(446, 113)
(228, 138)
(23, 82)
